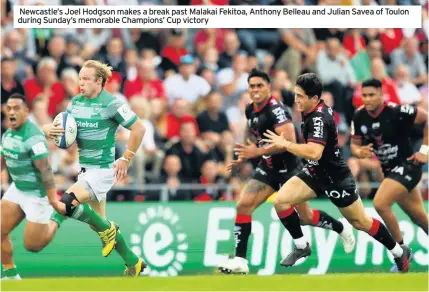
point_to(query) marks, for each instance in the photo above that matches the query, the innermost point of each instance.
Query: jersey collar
(258, 109)
(320, 104)
(378, 112)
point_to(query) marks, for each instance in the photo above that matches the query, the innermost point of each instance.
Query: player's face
(259, 90)
(303, 102)
(89, 85)
(17, 112)
(372, 98)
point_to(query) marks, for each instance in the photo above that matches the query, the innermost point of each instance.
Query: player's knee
(70, 201)
(32, 247)
(358, 224)
(245, 206)
(380, 206)
(280, 201)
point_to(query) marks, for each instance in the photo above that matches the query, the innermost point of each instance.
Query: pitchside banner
(192, 238)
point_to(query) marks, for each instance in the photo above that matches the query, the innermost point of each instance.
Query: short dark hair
(19, 96)
(311, 84)
(258, 73)
(373, 82)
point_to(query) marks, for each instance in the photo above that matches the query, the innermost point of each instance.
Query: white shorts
(36, 209)
(97, 182)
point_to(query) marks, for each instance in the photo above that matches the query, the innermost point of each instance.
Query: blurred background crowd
(189, 86)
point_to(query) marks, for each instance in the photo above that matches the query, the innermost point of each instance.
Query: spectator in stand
(210, 60)
(9, 83)
(114, 55)
(410, 56)
(337, 75)
(408, 92)
(231, 46)
(391, 39)
(57, 50)
(45, 85)
(39, 113)
(361, 62)
(191, 157)
(13, 48)
(208, 38)
(233, 81)
(173, 179)
(282, 88)
(70, 83)
(213, 121)
(72, 55)
(175, 48)
(146, 85)
(177, 117)
(353, 42)
(186, 84)
(296, 50)
(131, 59)
(210, 176)
(237, 117)
(389, 88)
(223, 153)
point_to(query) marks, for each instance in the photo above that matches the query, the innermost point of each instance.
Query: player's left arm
(128, 119)
(420, 117)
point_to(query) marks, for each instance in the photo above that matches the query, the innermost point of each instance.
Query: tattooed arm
(48, 179)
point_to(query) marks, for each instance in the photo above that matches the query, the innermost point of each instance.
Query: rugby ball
(68, 123)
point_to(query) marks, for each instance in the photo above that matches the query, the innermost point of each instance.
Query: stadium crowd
(189, 86)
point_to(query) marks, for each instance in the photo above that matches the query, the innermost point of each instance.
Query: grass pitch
(332, 282)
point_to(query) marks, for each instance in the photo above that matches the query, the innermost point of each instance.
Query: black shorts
(342, 193)
(406, 173)
(272, 177)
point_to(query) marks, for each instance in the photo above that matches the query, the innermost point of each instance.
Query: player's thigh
(388, 193)
(11, 216)
(412, 204)
(95, 183)
(80, 191)
(294, 192)
(35, 235)
(99, 208)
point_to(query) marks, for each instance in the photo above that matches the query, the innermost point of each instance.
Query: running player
(386, 129)
(325, 172)
(24, 152)
(274, 169)
(98, 115)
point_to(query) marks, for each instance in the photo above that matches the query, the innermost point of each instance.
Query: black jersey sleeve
(279, 114)
(355, 128)
(406, 114)
(317, 128)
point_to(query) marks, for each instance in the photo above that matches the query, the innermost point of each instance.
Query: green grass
(332, 282)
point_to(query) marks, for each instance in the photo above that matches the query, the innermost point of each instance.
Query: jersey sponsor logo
(407, 109)
(376, 126)
(10, 154)
(125, 112)
(87, 124)
(387, 152)
(312, 162)
(318, 127)
(280, 115)
(39, 148)
(261, 171)
(364, 129)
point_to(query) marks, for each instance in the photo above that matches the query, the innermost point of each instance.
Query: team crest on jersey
(97, 109)
(364, 129)
(376, 125)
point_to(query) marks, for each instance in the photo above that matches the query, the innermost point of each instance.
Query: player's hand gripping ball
(68, 123)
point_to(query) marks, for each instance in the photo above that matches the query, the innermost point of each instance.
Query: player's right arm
(39, 154)
(356, 141)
